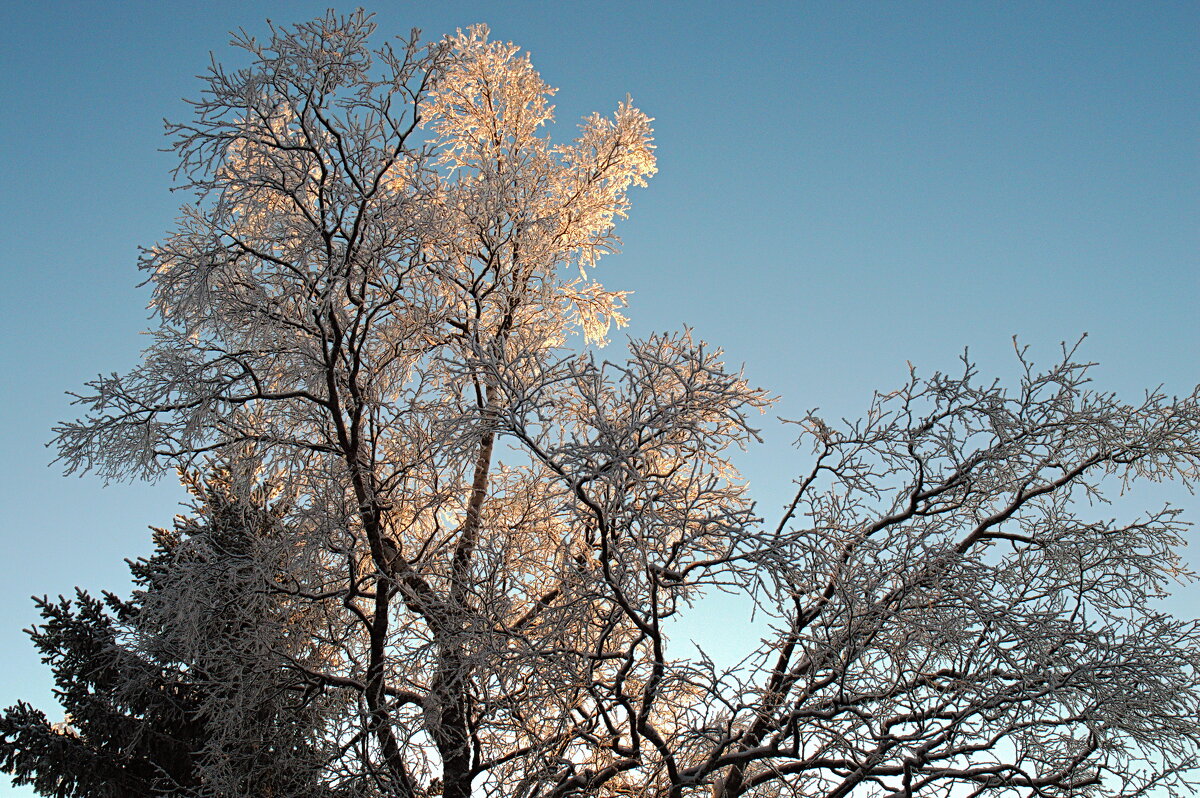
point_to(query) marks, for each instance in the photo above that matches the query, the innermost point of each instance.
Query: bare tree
(380, 291)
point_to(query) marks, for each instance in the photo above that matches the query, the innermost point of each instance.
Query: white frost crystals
(375, 301)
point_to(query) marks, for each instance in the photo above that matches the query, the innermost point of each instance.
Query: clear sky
(843, 187)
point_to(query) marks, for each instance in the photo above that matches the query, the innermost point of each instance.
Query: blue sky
(843, 187)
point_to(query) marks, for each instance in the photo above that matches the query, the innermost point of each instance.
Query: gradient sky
(843, 187)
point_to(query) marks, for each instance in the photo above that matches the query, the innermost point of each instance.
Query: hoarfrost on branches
(377, 297)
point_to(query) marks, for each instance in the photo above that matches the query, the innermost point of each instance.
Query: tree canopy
(381, 310)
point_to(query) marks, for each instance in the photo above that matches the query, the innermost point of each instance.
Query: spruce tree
(150, 707)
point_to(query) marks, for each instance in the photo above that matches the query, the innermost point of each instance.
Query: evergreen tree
(131, 725)
(183, 689)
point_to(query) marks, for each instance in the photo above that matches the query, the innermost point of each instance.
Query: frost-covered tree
(131, 725)
(186, 688)
(385, 289)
